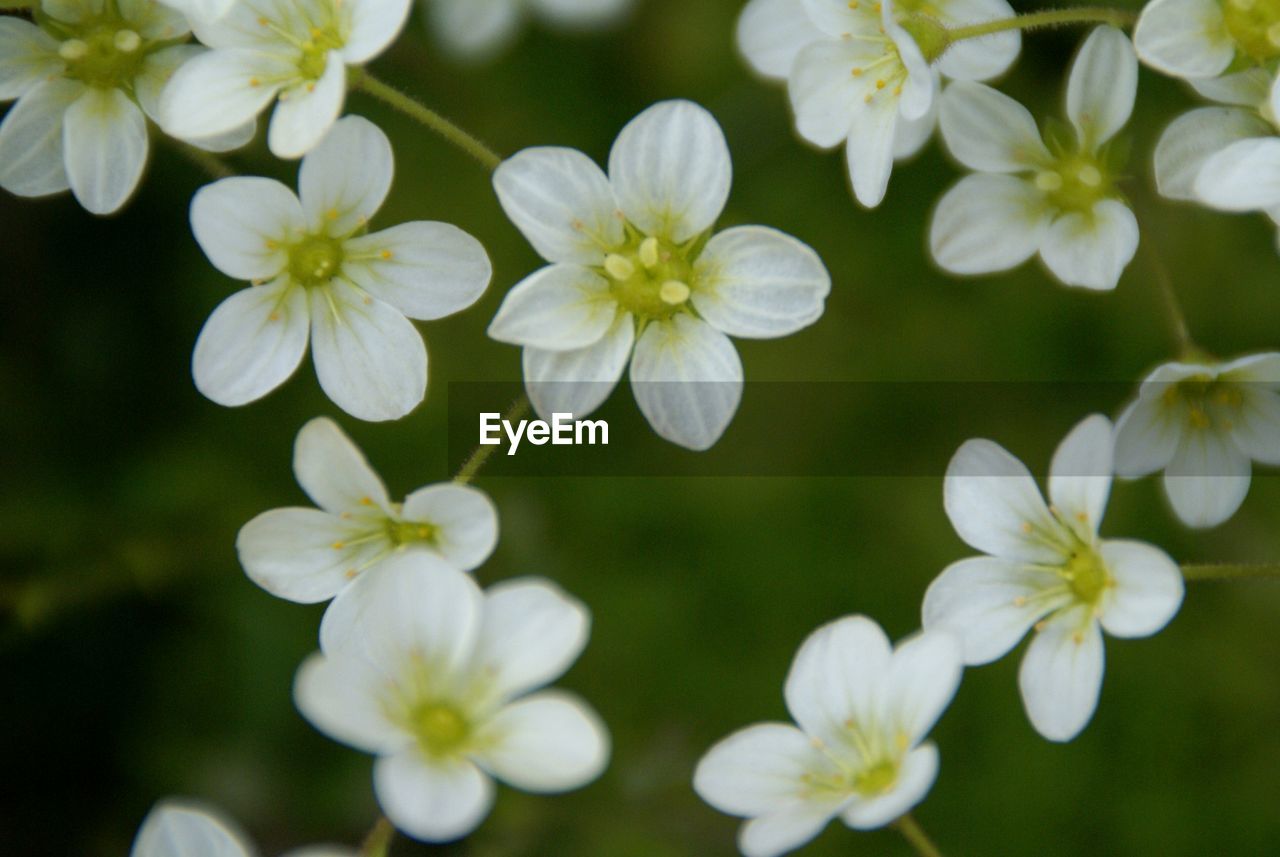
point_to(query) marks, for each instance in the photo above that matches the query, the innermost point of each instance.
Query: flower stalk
(429, 119)
(472, 466)
(378, 842)
(916, 837)
(1047, 19)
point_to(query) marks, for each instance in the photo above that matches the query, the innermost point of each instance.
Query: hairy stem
(1232, 571)
(916, 837)
(472, 466)
(429, 118)
(379, 839)
(1045, 20)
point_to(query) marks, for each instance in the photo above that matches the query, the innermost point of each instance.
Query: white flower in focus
(478, 29)
(269, 50)
(1202, 424)
(1197, 39)
(310, 555)
(317, 275)
(180, 828)
(440, 681)
(863, 709)
(87, 79)
(1047, 571)
(637, 276)
(1059, 200)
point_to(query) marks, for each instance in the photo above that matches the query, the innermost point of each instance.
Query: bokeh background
(139, 662)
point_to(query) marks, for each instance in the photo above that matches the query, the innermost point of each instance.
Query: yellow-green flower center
(1208, 401)
(651, 278)
(410, 532)
(107, 54)
(315, 50)
(315, 260)
(877, 779)
(1075, 182)
(1255, 27)
(1087, 575)
(440, 728)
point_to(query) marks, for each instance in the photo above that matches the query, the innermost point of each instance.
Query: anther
(1048, 180)
(857, 72)
(674, 292)
(338, 546)
(386, 255)
(127, 41)
(649, 256)
(881, 84)
(619, 267)
(1090, 176)
(73, 49)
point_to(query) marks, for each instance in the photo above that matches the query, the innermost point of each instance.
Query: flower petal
(176, 827)
(1249, 88)
(299, 554)
(990, 604)
(426, 270)
(547, 743)
(759, 769)
(31, 149)
(578, 382)
(251, 344)
(308, 111)
(343, 698)
(924, 675)
(474, 28)
(1102, 86)
(1184, 38)
(869, 151)
(915, 778)
(335, 474)
(1147, 589)
(1080, 475)
(532, 632)
(1208, 478)
(771, 34)
(344, 180)
(465, 519)
(434, 800)
(244, 224)
(561, 202)
(670, 170)
(1259, 370)
(837, 676)
(825, 95)
(105, 139)
(220, 91)
(687, 379)
(1092, 252)
(988, 131)
(557, 308)
(988, 223)
(759, 283)
(1242, 176)
(1195, 136)
(788, 828)
(1061, 674)
(374, 26)
(370, 359)
(27, 55)
(986, 56)
(1146, 438)
(1256, 429)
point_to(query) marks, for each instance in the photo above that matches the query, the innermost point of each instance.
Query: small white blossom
(1198, 39)
(1047, 570)
(863, 709)
(182, 828)
(87, 79)
(440, 681)
(478, 29)
(638, 276)
(317, 275)
(1202, 424)
(269, 50)
(1059, 200)
(309, 555)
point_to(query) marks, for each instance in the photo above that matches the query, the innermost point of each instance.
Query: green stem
(1173, 309)
(916, 837)
(379, 839)
(472, 466)
(429, 118)
(1045, 20)
(1232, 571)
(206, 161)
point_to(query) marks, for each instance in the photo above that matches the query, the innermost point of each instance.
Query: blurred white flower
(840, 58)
(318, 275)
(1047, 570)
(1202, 424)
(437, 680)
(264, 50)
(1197, 39)
(204, 10)
(182, 828)
(634, 263)
(309, 555)
(1059, 199)
(86, 79)
(477, 29)
(863, 708)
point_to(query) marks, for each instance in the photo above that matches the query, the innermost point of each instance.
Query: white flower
(859, 72)
(479, 28)
(204, 10)
(309, 555)
(182, 828)
(297, 52)
(1058, 200)
(635, 267)
(863, 709)
(87, 79)
(317, 274)
(1196, 39)
(437, 680)
(1047, 569)
(1202, 423)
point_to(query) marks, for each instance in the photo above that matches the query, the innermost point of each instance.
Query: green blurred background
(139, 662)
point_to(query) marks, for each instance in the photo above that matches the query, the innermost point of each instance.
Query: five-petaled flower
(1047, 570)
(310, 555)
(1202, 423)
(318, 275)
(477, 29)
(1199, 39)
(439, 680)
(637, 275)
(863, 709)
(1059, 200)
(264, 50)
(183, 828)
(87, 79)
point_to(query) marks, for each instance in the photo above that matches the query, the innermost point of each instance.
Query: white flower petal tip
(863, 709)
(1184, 38)
(463, 709)
(180, 826)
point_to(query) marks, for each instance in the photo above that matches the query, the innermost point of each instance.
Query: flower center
(1075, 183)
(315, 50)
(1087, 575)
(105, 54)
(410, 532)
(1255, 27)
(440, 728)
(315, 260)
(650, 278)
(877, 779)
(1206, 398)
(885, 74)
